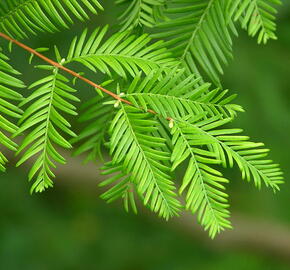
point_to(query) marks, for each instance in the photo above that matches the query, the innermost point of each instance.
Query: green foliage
(51, 97)
(172, 96)
(229, 148)
(123, 53)
(198, 34)
(96, 118)
(19, 17)
(143, 156)
(205, 193)
(256, 16)
(166, 115)
(8, 109)
(123, 186)
(197, 120)
(140, 13)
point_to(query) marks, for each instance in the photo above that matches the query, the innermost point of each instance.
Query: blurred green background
(69, 227)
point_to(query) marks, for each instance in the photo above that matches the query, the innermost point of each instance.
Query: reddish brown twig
(73, 73)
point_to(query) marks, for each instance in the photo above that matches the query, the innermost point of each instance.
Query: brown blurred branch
(249, 233)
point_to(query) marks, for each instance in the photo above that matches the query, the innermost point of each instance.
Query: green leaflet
(8, 110)
(96, 118)
(45, 127)
(123, 186)
(256, 16)
(197, 32)
(205, 193)
(173, 95)
(122, 53)
(20, 17)
(142, 156)
(140, 13)
(230, 147)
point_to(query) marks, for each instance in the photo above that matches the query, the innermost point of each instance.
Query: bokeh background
(69, 227)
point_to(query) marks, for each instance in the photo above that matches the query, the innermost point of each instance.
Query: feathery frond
(20, 17)
(174, 96)
(166, 114)
(44, 118)
(123, 53)
(123, 186)
(97, 118)
(230, 147)
(256, 16)
(197, 135)
(142, 156)
(205, 193)
(198, 34)
(140, 12)
(8, 96)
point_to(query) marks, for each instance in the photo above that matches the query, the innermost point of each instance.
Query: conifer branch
(71, 72)
(168, 115)
(60, 66)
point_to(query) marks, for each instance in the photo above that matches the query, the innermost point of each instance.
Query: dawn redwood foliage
(161, 104)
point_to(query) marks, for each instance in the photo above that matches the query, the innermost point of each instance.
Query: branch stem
(71, 72)
(59, 66)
